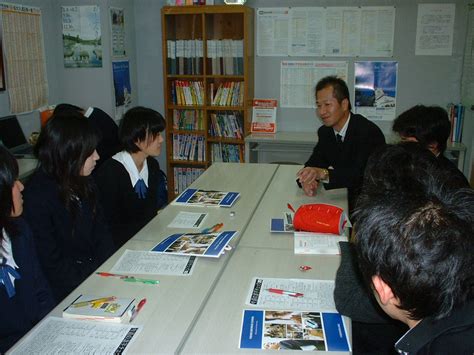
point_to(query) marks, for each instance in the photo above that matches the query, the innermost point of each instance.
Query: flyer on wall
(376, 89)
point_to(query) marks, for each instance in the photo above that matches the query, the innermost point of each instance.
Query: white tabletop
(283, 190)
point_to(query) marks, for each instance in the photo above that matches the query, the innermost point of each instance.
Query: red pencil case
(320, 218)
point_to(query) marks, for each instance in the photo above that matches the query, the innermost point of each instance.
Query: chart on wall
(298, 80)
(117, 23)
(376, 89)
(82, 42)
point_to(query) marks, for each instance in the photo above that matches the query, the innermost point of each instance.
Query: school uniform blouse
(69, 249)
(128, 208)
(32, 298)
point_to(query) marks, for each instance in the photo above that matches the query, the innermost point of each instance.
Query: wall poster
(117, 22)
(122, 87)
(2, 72)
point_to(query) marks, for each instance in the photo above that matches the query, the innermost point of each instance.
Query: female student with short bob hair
(131, 184)
(61, 203)
(25, 296)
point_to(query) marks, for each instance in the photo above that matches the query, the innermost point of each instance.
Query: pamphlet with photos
(264, 116)
(283, 225)
(195, 197)
(293, 330)
(107, 309)
(198, 244)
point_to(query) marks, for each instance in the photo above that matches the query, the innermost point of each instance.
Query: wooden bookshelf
(206, 48)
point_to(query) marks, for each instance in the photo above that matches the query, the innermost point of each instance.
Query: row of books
(189, 147)
(226, 56)
(183, 177)
(188, 119)
(226, 124)
(184, 56)
(184, 92)
(456, 116)
(230, 93)
(189, 2)
(227, 153)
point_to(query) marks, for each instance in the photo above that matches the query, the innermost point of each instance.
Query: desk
(26, 167)
(173, 306)
(283, 190)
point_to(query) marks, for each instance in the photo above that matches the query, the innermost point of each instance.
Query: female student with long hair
(25, 296)
(61, 206)
(132, 187)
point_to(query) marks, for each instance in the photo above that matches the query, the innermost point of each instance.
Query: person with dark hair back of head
(25, 296)
(61, 203)
(345, 142)
(429, 126)
(415, 250)
(131, 184)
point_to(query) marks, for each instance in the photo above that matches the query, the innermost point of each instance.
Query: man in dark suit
(345, 142)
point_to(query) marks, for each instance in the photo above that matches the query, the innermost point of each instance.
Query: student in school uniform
(61, 205)
(429, 126)
(345, 142)
(415, 251)
(132, 186)
(25, 296)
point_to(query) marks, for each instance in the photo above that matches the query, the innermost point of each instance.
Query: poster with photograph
(122, 87)
(2, 73)
(293, 330)
(376, 89)
(117, 22)
(82, 42)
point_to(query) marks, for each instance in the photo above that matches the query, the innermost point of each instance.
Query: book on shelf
(229, 93)
(189, 147)
(183, 177)
(197, 197)
(456, 117)
(264, 116)
(188, 119)
(106, 309)
(225, 56)
(227, 153)
(293, 330)
(283, 225)
(198, 244)
(185, 92)
(226, 124)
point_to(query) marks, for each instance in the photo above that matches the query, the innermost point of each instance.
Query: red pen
(291, 208)
(139, 307)
(283, 292)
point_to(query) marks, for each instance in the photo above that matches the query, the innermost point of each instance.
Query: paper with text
(188, 220)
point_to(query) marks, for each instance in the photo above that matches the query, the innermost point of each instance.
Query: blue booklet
(196, 197)
(293, 330)
(283, 225)
(198, 244)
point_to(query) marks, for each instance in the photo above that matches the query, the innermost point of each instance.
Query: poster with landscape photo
(82, 42)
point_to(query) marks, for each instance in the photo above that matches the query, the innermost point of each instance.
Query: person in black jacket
(25, 296)
(345, 142)
(132, 186)
(415, 251)
(61, 206)
(429, 126)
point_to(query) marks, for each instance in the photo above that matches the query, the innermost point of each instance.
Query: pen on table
(127, 278)
(216, 227)
(137, 309)
(283, 292)
(291, 208)
(97, 300)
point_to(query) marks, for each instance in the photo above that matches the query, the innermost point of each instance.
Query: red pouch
(320, 218)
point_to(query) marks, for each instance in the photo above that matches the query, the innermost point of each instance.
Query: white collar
(7, 252)
(343, 130)
(126, 160)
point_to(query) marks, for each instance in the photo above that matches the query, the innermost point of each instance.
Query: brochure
(198, 244)
(264, 116)
(318, 243)
(283, 225)
(293, 330)
(107, 309)
(195, 197)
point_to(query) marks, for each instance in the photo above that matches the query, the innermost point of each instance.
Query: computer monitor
(12, 136)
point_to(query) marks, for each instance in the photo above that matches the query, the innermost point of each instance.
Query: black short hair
(418, 239)
(339, 86)
(67, 107)
(8, 175)
(139, 123)
(428, 124)
(63, 146)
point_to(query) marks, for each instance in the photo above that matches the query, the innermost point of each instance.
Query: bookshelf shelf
(208, 60)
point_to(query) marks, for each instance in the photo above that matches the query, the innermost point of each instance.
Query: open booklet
(196, 197)
(198, 244)
(106, 309)
(318, 243)
(283, 225)
(293, 330)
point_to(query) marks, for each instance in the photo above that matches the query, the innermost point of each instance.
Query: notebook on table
(12, 136)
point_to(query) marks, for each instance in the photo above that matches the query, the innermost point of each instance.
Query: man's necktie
(338, 138)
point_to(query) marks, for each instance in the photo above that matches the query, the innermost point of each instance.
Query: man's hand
(310, 174)
(310, 188)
